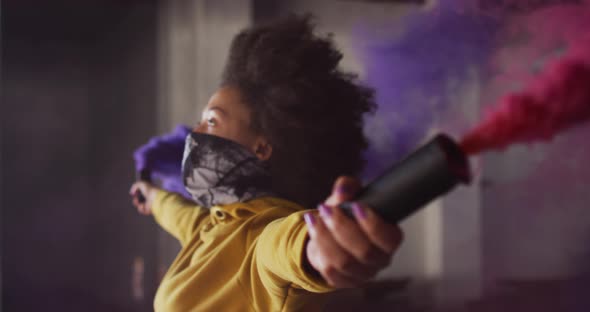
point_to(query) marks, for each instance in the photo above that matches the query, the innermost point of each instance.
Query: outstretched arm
(175, 214)
(328, 250)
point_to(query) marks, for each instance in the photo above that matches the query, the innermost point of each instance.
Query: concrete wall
(194, 37)
(193, 42)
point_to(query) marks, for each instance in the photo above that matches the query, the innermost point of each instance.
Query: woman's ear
(263, 149)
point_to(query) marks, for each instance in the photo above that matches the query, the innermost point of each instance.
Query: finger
(340, 280)
(344, 189)
(137, 204)
(137, 186)
(135, 201)
(351, 237)
(133, 189)
(142, 209)
(384, 235)
(331, 276)
(139, 190)
(135, 196)
(141, 206)
(330, 256)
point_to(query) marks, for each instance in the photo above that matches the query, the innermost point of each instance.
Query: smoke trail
(553, 102)
(558, 102)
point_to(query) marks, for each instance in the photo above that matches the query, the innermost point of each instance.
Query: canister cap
(456, 158)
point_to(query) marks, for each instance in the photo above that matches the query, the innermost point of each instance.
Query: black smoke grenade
(429, 172)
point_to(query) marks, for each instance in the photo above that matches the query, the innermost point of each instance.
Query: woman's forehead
(216, 108)
(227, 101)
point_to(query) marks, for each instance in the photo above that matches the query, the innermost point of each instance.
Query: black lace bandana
(217, 171)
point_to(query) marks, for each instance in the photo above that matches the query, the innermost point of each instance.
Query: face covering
(217, 171)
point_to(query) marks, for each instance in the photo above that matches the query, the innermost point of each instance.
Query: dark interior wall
(45, 106)
(123, 111)
(79, 94)
(265, 10)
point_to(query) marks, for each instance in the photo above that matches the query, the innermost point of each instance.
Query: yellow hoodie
(237, 257)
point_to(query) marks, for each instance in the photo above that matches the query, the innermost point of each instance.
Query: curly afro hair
(309, 109)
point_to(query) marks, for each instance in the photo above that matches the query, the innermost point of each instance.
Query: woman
(285, 123)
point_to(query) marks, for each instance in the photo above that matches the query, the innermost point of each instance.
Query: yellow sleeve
(177, 215)
(279, 254)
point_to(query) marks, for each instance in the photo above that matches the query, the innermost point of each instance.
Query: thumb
(345, 189)
(141, 186)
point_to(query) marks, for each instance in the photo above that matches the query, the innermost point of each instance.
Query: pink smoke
(553, 102)
(559, 101)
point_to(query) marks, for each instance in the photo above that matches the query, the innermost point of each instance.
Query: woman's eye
(211, 122)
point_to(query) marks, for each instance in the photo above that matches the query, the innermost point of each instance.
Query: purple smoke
(162, 156)
(411, 74)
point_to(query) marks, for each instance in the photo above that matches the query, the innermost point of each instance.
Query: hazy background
(86, 82)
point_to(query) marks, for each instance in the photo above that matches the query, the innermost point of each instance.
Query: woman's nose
(199, 128)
